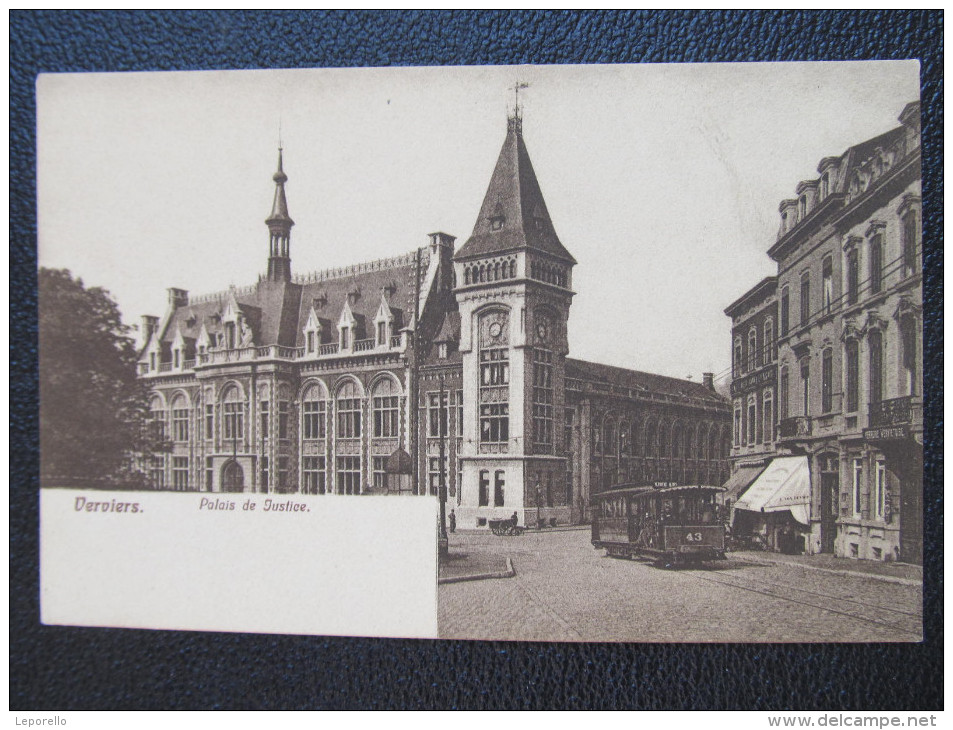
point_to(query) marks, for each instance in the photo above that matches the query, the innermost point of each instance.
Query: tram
(674, 524)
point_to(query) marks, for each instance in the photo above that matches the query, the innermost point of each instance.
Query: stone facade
(445, 366)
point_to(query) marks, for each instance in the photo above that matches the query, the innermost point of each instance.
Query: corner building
(850, 373)
(444, 366)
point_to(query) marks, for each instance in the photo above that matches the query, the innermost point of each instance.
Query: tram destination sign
(887, 433)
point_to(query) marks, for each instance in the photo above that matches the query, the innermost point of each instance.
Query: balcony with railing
(904, 411)
(795, 427)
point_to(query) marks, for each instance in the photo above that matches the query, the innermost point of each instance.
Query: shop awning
(794, 494)
(740, 481)
(785, 484)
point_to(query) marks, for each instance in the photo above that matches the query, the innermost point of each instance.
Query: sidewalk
(461, 566)
(902, 573)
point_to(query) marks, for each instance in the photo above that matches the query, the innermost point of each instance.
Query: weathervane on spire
(515, 88)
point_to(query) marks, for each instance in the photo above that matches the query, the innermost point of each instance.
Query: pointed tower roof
(513, 215)
(279, 208)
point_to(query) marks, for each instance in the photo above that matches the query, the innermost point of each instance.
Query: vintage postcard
(575, 353)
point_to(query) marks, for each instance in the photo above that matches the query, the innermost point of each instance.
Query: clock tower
(513, 290)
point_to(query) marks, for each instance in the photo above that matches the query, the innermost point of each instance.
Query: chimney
(178, 298)
(708, 380)
(441, 248)
(149, 326)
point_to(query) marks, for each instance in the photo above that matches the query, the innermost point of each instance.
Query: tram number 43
(693, 537)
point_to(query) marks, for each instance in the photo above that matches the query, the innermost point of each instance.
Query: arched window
(513, 269)
(466, 275)
(737, 360)
(910, 234)
(314, 410)
(753, 349)
(663, 442)
(876, 263)
(386, 404)
(180, 419)
(348, 408)
(876, 378)
(233, 407)
(157, 418)
(767, 410)
(768, 340)
(651, 440)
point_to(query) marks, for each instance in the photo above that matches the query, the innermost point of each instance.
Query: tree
(93, 409)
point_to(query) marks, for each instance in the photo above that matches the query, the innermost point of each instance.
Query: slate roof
(278, 311)
(515, 196)
(637, 380)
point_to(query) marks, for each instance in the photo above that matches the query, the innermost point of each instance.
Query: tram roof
(641, 490)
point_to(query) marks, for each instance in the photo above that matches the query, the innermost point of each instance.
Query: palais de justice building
(356, 380)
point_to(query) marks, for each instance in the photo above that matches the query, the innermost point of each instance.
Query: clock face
(495, 329)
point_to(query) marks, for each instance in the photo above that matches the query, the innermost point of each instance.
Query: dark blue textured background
(72, 668)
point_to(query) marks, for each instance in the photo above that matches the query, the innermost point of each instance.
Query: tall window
(752, 349)
(180, 419)
(783, 394)
(437, 417)
(875, 343)
(345, 334)
(499, 486)
(282, 473)
(769, 340)
(265, 474)
(209, 473)
(379, 467)
(435, 473)
(234, 409)
(825, 185)
(543, 400)
(349, 413)
(386, 402)
(157, 419)
(284, 409)
(314, 413)
(827, 284)
(857, 481)
(382, 333)
(880, 490)
(827, 381)
(313, 475)
(310, 340)
(494, 378)
(806, 387)
(157, 472)
(752, 420)
(209, 421)
(737, 361)
(853, 276)
(484, 496)
(264, 420)
(739, 434)
(909, 230)
(349, 474)
(785, 311)
(852, 367)
(768, 417)
(180, 473)
(805, 298)
(876, 263)
(908, 358)
(459, 397)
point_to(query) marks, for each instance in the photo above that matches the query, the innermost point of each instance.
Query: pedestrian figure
(453, 522)
(514, 520)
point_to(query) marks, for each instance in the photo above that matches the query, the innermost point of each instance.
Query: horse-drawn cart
(505, 527)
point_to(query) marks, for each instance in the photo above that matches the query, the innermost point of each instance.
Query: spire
(513, 215)
(279, 227)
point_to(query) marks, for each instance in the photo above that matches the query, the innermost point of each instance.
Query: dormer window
(311, 341)
(825, 185)
(175, 356)
(152, 361)
(442, 350)
(344, 338)
(496, 223)
(802, 207)
(382, 333)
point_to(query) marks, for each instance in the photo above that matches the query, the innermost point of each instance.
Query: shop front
(774, 511)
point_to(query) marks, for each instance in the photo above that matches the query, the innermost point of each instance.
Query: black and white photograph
(625, 353)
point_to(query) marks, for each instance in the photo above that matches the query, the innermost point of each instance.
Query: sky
(663, 181)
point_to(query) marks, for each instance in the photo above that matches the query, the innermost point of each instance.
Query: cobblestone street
(565, 590)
